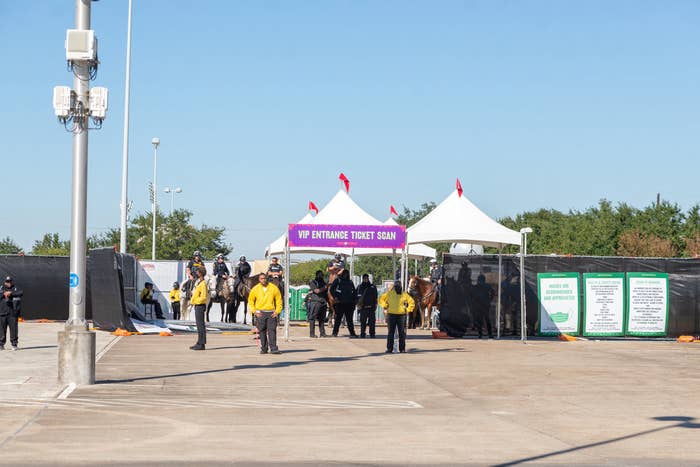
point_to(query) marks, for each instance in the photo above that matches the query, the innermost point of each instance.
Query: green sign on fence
(558, 294)
(604, 304)
(647, 304)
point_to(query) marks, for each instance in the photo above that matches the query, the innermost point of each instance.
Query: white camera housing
(81, 44)
(97, 102)
(62, 98)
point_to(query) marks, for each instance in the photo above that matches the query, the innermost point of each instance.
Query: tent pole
(523, 326)
(498, 300)
(415, 264)
(285, 293)
(393, 264)
(352, 264)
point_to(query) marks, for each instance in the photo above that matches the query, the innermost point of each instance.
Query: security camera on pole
(75, 109)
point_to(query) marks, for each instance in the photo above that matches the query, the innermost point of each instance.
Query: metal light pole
(155, 142)
(125, 143)
(523, 251)
(172, 192)
(76, 345)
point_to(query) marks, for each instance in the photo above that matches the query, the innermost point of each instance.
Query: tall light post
(523, 252)
(155, 142)
(172, 192)
(74, 109)
(125, 143)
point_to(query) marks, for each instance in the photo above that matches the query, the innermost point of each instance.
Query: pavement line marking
(106, 348)
(67, 391)
(79, 402)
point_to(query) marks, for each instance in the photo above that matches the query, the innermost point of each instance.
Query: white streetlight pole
(125, 143)
(155, 142)
(172, 192)
(523, 251)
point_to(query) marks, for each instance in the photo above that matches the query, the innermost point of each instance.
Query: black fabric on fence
(461, 272)
(44, 280)
(108, 305)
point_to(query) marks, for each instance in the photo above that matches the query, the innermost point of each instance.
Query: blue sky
(260, 104)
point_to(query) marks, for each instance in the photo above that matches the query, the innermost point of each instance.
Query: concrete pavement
(445, 402)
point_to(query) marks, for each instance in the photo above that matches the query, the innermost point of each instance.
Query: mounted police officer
(437, 278)
(10, 300)
(336, 265)
(220, 270)
(242, 272)
(275, 272)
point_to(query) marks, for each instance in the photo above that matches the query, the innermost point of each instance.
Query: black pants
(344, 309)
(367, 317)
(396, 322)
(11, 321)
(267, 330)
(176, 309)
(199, 311)
(482, 314)
(317, 313)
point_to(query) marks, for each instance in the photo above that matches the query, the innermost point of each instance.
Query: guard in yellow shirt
(265, 300)
(199, 299)
(175, 300)
(396, 304)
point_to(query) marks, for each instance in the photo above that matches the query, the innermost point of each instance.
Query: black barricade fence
(45, 281)
(460, 313)
(107, 284)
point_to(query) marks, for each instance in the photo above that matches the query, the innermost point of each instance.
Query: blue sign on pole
(74, 280)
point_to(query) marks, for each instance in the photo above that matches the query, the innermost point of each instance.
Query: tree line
(661, 229)
(176, 238)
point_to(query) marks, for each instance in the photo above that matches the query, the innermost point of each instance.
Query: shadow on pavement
(681, 422)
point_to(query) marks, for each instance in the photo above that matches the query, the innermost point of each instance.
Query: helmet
(433, 261)
(275, 258)
(338, 255)
(197, 253)
(220, 255)
(242, 258)
(176, 285)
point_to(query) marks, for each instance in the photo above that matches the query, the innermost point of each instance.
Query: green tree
(51, 245)
(9, 247)
(176, 237)
(302, 273)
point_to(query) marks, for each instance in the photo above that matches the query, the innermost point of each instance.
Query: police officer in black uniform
(220, 271)
(337, 264)
(367, 306)
(317, 304)
(242, 272)
(10, 303)
(482, 295)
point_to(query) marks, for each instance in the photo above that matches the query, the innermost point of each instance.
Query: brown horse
(426, 294)
(241, 296)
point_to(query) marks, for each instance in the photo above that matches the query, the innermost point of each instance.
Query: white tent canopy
(458, 220)
(418, 251)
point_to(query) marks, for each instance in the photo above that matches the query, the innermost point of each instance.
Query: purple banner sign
(347, 236)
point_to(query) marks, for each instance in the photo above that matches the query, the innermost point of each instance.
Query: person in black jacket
(482, 295)
(367, 306)
(344, 293)
(437, 277)
(317, 305)
(242, 272)
(10, 296)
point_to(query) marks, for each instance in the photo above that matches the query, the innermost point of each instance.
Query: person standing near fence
(317, 304)
(482, 295)
(367, 306)
(265, 301)
(345, 295)
(397, 304)
(175, 300)
(10, 296)
(199, 300)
